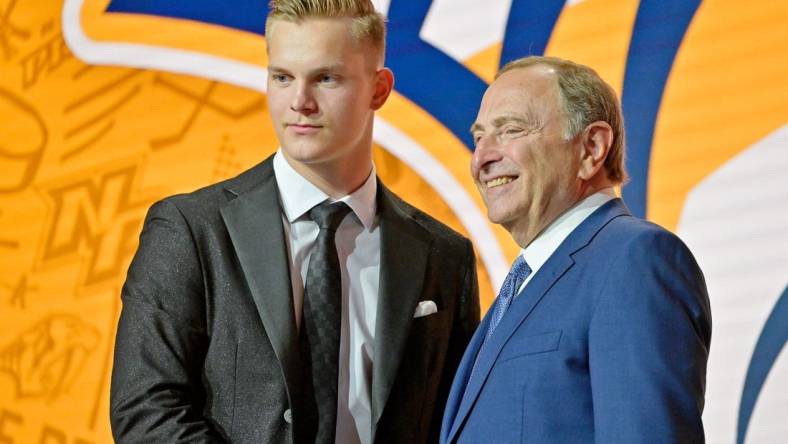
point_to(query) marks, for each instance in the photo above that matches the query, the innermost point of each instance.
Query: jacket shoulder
(631, 231)
(209, 198)
(437, 230)
(633, 239)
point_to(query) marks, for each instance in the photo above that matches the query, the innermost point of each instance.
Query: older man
(601, 330)
(300, 301)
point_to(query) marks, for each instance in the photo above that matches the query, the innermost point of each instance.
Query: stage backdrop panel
(109, 105)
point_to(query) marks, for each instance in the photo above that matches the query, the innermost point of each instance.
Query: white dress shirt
(541, 248)
(358, 248)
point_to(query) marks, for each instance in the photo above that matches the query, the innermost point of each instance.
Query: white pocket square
(425, 308)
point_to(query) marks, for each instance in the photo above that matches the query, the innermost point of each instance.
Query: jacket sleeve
(649, 340)
(156, 394)
(465, 323)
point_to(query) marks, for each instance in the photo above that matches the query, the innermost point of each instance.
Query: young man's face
(323, 88)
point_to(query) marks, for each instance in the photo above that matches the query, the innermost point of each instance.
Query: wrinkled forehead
(525, 92)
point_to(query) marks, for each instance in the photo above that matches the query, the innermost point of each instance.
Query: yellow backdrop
(88, 142)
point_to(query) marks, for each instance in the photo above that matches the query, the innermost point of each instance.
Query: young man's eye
(328, 78)
(280, 78)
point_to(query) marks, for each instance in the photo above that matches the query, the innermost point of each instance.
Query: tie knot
(519, 271)
(329, 215)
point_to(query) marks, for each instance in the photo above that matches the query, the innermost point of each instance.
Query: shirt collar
(298, 195)
(540, 250)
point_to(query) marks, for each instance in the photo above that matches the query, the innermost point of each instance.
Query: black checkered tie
(322, 315)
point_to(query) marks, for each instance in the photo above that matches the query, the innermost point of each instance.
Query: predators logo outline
(46, 359)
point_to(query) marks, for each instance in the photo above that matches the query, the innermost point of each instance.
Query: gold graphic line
(162, 142)
(9, 243)
(5, 24)
(100, 91)
(103, 113)
(47, 27)
(82, 71)
(34, 157)
(203, 99)
(19, 292)
(44, 59)
(68, 155)
(41, 48)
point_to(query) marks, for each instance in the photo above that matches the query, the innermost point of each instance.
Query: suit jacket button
(288, 416)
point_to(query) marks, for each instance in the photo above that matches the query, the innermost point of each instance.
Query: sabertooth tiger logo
(45, 360)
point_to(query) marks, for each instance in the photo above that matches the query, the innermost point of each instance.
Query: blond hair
(367, 25)
(585, 98)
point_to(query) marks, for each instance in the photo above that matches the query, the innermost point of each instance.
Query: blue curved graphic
(659, 29)
(529, 27)
(245, 15)
(433, 80)
(451, 93)
(770, 343)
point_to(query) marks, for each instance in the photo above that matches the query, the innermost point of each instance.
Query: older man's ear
(595, 143)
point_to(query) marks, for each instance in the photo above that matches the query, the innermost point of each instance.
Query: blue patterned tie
(517, 275)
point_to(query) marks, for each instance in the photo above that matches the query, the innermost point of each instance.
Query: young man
(601, 330)
(300, 301)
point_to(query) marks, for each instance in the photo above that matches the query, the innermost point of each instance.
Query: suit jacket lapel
(404, 248)
(254, 222)
(555, 267)
(519, 310)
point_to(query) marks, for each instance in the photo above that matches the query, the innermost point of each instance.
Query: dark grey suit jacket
(206, 346)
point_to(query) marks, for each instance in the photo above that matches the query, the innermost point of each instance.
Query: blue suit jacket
(607, 343)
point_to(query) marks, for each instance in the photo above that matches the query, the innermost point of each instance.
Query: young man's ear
(384, 83)
(595, 143)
